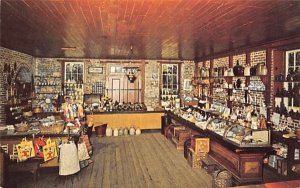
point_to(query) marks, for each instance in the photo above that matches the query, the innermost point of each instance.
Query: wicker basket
(21, 128)
(57, 127)
(222, 179)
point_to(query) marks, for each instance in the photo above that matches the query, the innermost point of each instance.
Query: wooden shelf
(49, 85)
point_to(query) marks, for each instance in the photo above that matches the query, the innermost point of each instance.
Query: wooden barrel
(100, 130)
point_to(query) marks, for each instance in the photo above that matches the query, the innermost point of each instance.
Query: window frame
(74, 63)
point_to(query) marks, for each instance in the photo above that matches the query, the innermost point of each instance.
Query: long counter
(137, 119)
(245, 163)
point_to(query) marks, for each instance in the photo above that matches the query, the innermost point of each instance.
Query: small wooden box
(171, 128)
(180, 137)
(177, 128)
(201, 145)
(194, 159)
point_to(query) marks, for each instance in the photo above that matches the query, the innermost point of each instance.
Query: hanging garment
(86, 140)
(82, 152)
(68, 159)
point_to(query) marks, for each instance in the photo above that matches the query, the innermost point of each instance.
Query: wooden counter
(139, 119)
(245, 163)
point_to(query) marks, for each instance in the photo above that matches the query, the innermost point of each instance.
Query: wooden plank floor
(148, 160)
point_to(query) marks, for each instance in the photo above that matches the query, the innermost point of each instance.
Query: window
(292, 83)
(74, 80)
(74, 72)
(169, 81)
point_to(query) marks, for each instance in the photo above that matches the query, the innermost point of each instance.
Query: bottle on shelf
(289, 76)
(238, 70)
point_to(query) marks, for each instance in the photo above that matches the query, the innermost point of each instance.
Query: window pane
(298, 59)
(291, 59)
(80, 77)
(175, 69)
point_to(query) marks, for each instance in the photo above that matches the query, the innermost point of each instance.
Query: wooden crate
(200, 145)
(177, 128)
(194, 159)
(180, 137)
(170, 129)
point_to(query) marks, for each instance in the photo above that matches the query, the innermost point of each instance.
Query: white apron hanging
(68, 159)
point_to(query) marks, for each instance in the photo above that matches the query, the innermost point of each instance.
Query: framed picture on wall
(98, 70)
(187, 85)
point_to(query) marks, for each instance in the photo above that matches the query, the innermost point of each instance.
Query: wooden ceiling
(157, 29)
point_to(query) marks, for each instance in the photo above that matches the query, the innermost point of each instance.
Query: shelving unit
(47, 90)
(292, 158)
(18, 94)
(217, 90)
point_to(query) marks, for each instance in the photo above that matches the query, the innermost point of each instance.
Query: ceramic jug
(108, 131)
(247, 70)
(131, 131)
(225, 72)
(230, 72)
(116, 132)
(125, 131)
(262, 69)
(138, 131)
(121, 132)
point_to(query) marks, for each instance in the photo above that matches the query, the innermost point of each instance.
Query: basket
(221, 179)
(57, 127)
(21, 128)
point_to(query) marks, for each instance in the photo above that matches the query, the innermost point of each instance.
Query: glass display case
(218, 126)
(238, 134)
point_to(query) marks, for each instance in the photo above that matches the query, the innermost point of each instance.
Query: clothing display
(68, 159)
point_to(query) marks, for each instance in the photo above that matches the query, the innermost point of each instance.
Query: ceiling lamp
(131, 71)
